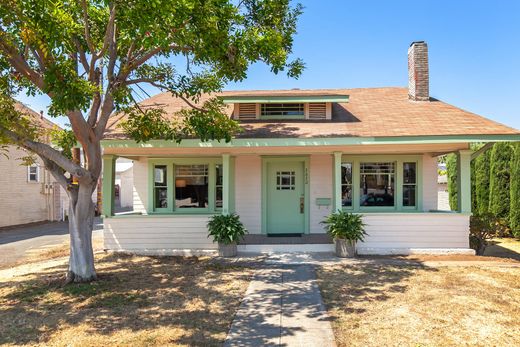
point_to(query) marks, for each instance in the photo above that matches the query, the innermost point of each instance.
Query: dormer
(283, 107)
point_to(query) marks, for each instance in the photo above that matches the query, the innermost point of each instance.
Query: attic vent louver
(317, 110)
(246, 111)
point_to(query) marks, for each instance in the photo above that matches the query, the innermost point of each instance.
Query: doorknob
(302, 204)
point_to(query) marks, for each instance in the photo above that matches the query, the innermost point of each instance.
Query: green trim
(464, 181)
(398, 207)
(109, 173)
(306, 173)
(279, 98)
(310, 142)
(170, 163)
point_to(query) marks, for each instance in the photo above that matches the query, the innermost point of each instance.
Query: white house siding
(429, 173)
(402, 233)
(126, 192)
(158, 235)
(248, 191)
(140, 190)
(320, 187)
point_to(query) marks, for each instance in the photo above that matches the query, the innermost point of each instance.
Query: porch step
(255, 239)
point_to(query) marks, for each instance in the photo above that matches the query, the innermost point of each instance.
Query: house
(29, 193)
(302, 155)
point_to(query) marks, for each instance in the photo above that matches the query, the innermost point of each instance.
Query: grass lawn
(378, 304)
(136, 301)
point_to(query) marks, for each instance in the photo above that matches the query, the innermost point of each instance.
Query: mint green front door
(285, 197)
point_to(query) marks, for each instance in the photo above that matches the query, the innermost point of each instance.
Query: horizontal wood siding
(248, 191)
(140, 191)
(157, 233)
(320, 187)
(423, 230)
(429, 173)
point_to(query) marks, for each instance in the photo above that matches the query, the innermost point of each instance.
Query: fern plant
(226, 229)
(346, 226)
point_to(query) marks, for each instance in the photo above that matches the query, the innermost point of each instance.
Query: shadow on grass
(137, 294)
(495, 249)
(344, 287)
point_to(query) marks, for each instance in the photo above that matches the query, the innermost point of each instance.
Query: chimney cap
(418, 43)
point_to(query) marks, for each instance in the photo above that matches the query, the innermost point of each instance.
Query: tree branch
(109, 32)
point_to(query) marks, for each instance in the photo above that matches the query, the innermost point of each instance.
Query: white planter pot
(345, 248)
(227, 250)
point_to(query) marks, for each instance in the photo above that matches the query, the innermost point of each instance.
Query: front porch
(175, 194)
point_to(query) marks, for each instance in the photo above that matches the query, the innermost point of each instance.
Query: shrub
(344, 225)
(514, 212)
(481, 174)
(451, 168)
(483, 228)
(226, 229)
(499, 196)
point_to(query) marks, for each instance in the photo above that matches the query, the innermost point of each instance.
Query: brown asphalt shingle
(370, 112)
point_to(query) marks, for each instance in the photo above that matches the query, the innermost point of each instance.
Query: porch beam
(109, 173)
(336, 172)
(226, 184)
(464, 181)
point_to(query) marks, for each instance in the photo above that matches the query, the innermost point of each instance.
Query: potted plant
(346, 229)
(227, 230)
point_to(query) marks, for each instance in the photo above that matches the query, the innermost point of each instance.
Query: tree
(87, 55)
(481, 174)
(451, 168)
(482, 228)
(514, 211)
(499, 196)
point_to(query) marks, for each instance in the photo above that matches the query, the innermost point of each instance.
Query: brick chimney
(418, 75)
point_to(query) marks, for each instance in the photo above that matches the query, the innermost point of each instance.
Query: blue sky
(473, 46)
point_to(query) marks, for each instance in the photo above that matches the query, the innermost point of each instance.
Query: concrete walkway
(282, 307)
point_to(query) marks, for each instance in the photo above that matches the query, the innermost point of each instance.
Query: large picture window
(377, 182)
(191, 186)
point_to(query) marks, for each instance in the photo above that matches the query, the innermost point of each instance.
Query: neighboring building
(29, 193)
(304, 154)
(442, 188)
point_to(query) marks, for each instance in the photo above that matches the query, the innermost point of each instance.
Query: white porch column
(336, 172)
(464, 181)
(226, 184)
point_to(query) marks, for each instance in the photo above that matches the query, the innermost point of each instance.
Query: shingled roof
(36, 118)
(370, 112)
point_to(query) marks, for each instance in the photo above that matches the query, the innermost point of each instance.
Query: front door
(285, 197)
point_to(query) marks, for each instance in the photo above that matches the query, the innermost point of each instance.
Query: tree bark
(81, 222)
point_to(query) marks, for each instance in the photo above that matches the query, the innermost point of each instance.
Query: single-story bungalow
(302, 155)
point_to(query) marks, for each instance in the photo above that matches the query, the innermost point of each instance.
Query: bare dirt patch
(148, 301)
(416, 305)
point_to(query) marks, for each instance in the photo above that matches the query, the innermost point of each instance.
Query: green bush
(481, 174)
(483, 228)
(344, 225)
(226, 229)
(451, 168)
(514, 212)
(500, 166)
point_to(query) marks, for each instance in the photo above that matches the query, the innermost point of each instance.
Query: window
(346, 184)
(377, 184)
(282, 110)
(33, 173)
(191, 186)
(285, 180)
(409, 184)
(160, 187)
(218, 186)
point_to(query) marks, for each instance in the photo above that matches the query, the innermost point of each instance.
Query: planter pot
(227, 250)
(345, 248)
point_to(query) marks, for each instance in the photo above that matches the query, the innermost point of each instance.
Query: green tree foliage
(87, 56)
(481, 174)
(514, 213)
(451, 168)
(500, 175)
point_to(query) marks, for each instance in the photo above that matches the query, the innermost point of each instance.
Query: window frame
(37, 173)
(170, 164)
(399, 161)
(281, 116)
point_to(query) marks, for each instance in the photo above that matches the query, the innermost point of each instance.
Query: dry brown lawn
(377, 304)
(137, 301)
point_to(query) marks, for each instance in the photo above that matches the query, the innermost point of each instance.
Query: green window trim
(170, 163)
(399, 161)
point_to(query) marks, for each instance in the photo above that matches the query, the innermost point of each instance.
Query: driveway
(19, 243)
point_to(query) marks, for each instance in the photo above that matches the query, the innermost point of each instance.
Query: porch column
(226, 184)
(464, 181)
(109, 173)
(336, 176)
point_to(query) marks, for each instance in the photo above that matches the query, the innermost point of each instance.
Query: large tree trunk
(81, 222)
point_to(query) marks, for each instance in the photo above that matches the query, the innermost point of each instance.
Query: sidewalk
(282, 307)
